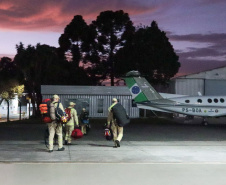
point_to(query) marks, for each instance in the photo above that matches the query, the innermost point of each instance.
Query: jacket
(74, 117)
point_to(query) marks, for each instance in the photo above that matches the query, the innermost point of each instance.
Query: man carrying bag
(118, 118)
(55, 126)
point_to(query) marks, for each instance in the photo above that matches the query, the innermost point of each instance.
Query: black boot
(117, 143)
(61, 149)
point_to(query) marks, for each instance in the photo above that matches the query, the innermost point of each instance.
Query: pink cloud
(54, 15)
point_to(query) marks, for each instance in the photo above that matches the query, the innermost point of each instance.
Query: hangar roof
(216, 73)
(90, 90)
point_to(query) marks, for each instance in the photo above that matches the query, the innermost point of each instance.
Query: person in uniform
(111, 122)
(71, 123)
(54, 126)
(84, 120)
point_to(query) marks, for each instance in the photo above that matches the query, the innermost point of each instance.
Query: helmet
(63, 119)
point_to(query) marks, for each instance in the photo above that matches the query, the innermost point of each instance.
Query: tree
(150, 52)
(11, 81)
(74, 47)
(40, 65)
(96, 44)
(9, 93)
(113, 29)
(10, 74)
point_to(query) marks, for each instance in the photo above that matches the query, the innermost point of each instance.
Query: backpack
(59, 112)
(68, 113)
(120, 115)
(77, 134)
(44, 108)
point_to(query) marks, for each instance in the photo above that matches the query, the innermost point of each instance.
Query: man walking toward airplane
(112, 122)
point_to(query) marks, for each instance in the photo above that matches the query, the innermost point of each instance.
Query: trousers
(69, 129)
(117, 131)
(83, 129)
(55, 127)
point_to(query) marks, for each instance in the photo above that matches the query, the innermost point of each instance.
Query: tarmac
(150, 153)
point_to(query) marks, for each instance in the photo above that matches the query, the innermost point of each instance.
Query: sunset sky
(196, 28)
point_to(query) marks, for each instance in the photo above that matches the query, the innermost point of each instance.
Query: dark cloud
(196, 59)
(212, 2)
(211, 38)
(202, 52)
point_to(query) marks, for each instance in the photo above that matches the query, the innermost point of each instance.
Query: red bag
(77, 134)
(108, 134)
(46, 120)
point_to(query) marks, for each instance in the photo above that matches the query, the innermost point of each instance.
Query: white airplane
(146, 97)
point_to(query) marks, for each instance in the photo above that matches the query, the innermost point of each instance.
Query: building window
(199, 101)
(222, 100)
(215, 100)
(100, 105)
(187, 101)
(210, 100)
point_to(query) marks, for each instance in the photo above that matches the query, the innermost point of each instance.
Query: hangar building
(96, 99)
(210, 82)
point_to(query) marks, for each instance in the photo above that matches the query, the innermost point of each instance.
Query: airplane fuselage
(205, 106)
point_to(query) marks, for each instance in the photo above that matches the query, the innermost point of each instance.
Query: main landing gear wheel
(204, 122)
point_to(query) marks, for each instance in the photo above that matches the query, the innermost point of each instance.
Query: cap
(72, 103)
(114, 100)
(56, 96)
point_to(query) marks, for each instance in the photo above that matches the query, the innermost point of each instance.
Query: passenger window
(215, 100)
(187, 101)
(222, 100)
(210, 100)
(199, 101)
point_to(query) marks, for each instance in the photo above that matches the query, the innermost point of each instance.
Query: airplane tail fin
(139, 87)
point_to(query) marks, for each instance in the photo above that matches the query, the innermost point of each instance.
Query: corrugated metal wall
(189, 86)
(125, 100)
(205, 86)
(215, 87)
